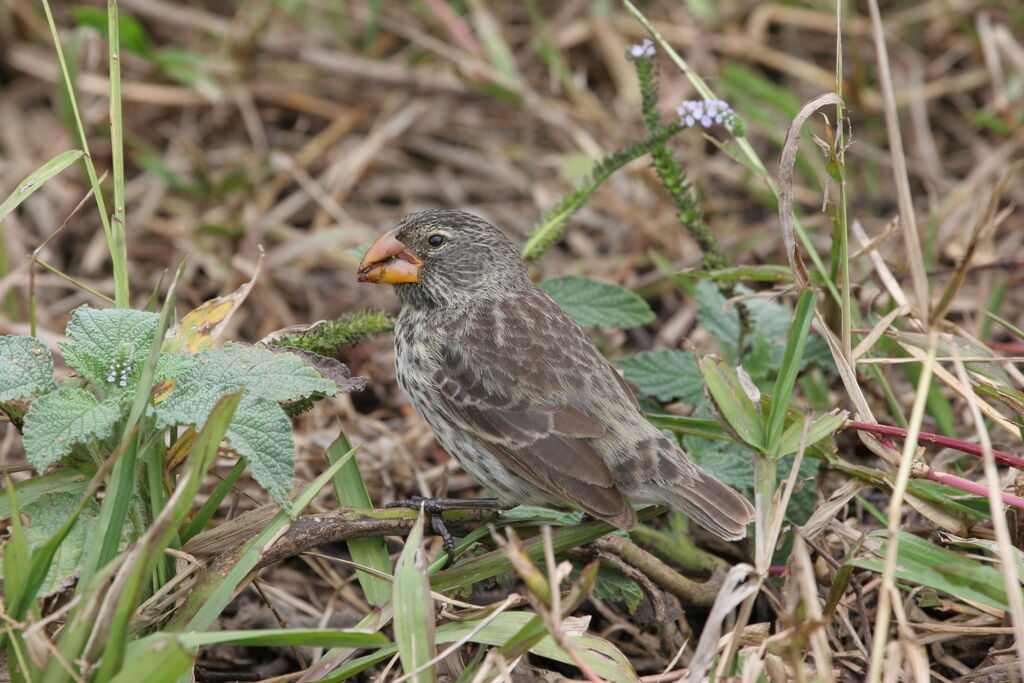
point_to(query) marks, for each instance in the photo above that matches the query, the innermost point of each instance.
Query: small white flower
(644, 49)
(704, 112)
(118, 373)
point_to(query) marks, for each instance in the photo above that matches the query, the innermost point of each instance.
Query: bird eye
(435, 240)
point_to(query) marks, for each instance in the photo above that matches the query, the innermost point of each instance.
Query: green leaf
(606, 660)
(350, 490)
(693, 426)
(821, 428)
(667, 375)
(16, 558)
(1005, 323)
(414, 608)
(260, 430)
(950, 499)
(925, 564)
(789, 369)
(160, 660)
(543, 515)
(45, 518)
(64, 480)
(36, 179)
(760, 273)
(26, 368)
(108, 346)
(614, 587)
(58, 421)
(597, 304)
(284, 637)
(131, 33)
(278, 377)
(723, 323)
(735, 407)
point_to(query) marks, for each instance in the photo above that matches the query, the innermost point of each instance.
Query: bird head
(444, 258)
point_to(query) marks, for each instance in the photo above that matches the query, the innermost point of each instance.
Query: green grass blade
(209, 598)
(495, 562)
(31, 490)
(119, 493)
(37, 178)
(283, 637)
(925, 564)
(414, 608)
(163, 662)
(735, 407)
(16, 560)
(116, 122)
(350, 490)
(150, 548)
(790, 368)
(706, 429)
(118, 256)
(212, 503)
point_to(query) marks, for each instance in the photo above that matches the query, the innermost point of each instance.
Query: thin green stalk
(552, 226)
(76, 283)
(752, 159)
(765, 479)
(842, 227)
(117, 228)
(116, 245)
(888, 585)
(671, 173)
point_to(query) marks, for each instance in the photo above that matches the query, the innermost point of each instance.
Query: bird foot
(435, 506)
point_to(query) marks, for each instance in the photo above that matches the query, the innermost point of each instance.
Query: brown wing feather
(521, 418)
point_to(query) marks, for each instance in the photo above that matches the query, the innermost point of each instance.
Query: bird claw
(435, 506)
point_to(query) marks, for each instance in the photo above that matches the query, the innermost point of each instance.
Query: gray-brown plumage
(516, 392)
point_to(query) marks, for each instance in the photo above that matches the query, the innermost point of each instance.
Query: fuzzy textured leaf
(45, 518)
(667, 375)
(58, 421)
(26, 368)
(276, 376)
(259, 431)
(597, 304)
(613, 586)
(102, 338)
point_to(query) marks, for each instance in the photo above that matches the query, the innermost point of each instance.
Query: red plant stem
(958, 444)
(971, 487)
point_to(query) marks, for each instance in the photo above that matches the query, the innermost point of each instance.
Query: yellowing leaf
(201, 326)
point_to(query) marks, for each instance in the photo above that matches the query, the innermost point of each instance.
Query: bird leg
(435, 506)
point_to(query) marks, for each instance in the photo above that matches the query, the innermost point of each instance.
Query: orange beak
(387, 261)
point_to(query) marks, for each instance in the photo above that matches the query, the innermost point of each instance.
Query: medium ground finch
(517, 393)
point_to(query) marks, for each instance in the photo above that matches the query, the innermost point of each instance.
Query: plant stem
(939, 440)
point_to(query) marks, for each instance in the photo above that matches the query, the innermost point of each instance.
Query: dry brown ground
(308, 129)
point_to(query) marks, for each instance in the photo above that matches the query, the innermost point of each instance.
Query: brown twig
(689, 591)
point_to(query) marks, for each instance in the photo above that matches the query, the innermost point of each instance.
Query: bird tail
(717, 507)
